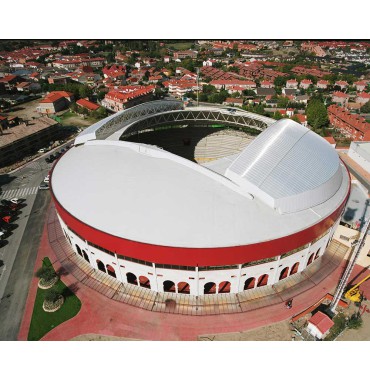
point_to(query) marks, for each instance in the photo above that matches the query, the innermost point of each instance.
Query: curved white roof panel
(289, 167)
(148, 195)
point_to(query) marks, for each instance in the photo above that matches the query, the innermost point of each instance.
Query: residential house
(353, 126)
(185, 54)
(85, 103)
(301, 98)
(267, 84)
(362, 98)
(54, 102)
(340, 98)
(233, 102)
(265, 92)
(319, 325)
(341, 83)
(9, 82)
(305, 83)
(118, 100)
(323, 84)
(360, 85)
(227, 84)
(291, 83)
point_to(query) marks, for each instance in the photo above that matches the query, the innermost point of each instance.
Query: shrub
(45, 273)
(52, 295)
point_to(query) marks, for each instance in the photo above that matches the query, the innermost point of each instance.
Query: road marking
(14, 193)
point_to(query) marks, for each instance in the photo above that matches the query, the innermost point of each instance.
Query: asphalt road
(18, 253)
(13, 302)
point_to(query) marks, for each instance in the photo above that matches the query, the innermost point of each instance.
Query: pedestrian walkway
(19, 193)
(360, 171)
(188, 304)
(104, 316)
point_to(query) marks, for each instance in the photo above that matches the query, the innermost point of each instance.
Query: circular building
(250, 215)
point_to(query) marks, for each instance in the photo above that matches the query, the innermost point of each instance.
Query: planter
(51, 307)
(42, 284)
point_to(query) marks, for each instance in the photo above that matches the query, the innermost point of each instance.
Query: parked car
(44, 186)
(43, 150)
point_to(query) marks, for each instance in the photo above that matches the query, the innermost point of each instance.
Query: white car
(42, 150)
(15, 201)
(47, 178)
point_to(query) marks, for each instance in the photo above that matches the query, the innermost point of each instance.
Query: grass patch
(180, 45)
(42, 322)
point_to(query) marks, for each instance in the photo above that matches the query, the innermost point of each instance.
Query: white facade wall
(362, 161)
(197, 279)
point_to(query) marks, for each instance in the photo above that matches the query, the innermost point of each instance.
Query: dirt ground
(77, 121)
(96, 337)
(276, 332)
(26, 110)
(363, 333)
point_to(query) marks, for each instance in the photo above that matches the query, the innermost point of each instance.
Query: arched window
(85, 256)
(210, 288)
(249, 283)
(131, 278)
(224, 287)
(262, 281)
(144, 282)
(169, 286)
(294, 269)
(111, 271)
(310, 259)
(78, 250)
(317, 254)
(284, 273)
(101, 266)
(183, 287)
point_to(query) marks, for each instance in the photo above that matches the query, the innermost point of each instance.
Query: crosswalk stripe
(18, 193)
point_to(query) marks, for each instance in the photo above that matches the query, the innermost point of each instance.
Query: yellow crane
(354, 294)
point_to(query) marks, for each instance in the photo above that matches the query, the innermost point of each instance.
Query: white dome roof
(289, 167)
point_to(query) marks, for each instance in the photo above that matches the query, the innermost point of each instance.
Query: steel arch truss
(195, 116)
(135, 113)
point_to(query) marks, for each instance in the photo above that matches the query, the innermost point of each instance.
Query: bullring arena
(199, 210)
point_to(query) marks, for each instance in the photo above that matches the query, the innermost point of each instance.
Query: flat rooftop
(149, 195)
(13, 134)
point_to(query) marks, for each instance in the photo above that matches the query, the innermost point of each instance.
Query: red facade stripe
(197, 256)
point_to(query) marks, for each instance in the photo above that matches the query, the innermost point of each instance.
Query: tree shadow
(349, 214)
(6, 178)
(62, 272)
(70, 291)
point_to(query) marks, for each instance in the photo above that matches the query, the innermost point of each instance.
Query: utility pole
(343, 281)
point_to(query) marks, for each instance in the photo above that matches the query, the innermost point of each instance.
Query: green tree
(84, 91)
(280, 81)
(366, 107)
(277, 115)
(101, 95)
(317, 114)
(282, 102)
(45, 273)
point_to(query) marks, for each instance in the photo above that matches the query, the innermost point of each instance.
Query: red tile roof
(321, 321)
(56, 95)
(87, 104)
(364, 95)
(330, 139)
(340, 94)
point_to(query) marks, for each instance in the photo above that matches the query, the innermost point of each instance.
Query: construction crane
(351, 264)
(354, 294)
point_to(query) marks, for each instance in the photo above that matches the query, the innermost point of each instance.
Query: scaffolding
(351, 264)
